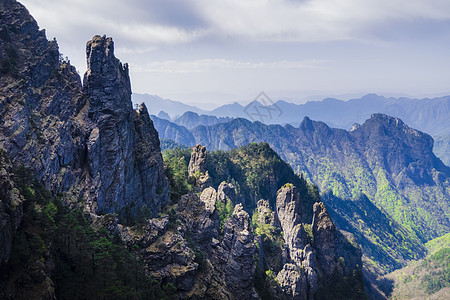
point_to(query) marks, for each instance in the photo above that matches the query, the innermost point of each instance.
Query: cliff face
(124, 157)
(85, 143)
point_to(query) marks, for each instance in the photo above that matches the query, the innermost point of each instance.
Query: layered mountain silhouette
(428, 115)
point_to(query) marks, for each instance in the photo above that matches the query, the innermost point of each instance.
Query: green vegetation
(426, 277)
(385, 242)
(88, 264)
(439, 277)
(170, 144)
(176, 162)
(225, 210)
(255, 171)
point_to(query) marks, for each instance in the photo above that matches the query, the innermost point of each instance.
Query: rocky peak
(106, 80)
(226, 191)
(237, 254)
(289, 213)
(265, 214)
(198, 160)
(197, 167)
(324, 233)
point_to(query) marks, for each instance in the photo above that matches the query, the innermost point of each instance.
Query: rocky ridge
(84, 142)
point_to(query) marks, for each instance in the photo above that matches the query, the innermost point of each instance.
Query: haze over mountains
(428, 115)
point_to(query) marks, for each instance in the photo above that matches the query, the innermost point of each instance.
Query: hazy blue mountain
(191, 119)
(164, 115)
(428, 115)
(171, 131)
(234, 110)
(156, 104)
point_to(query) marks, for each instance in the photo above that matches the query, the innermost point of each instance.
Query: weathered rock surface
(85, 142)
(197, 167)
(237, 250)
(324, 233)
(292, 283)
(125, 160)
(199, 217)
(226, 191)
(266, 215)
(289, 213)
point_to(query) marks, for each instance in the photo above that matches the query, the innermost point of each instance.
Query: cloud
(205, 65)
(315, 20)
(156, 22)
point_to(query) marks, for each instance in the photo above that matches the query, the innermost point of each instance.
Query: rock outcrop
(124, 156)
(85, 143)
(292, 282)
(226, 191)
(289, 212)
(298, 279)
(197, 167)
(324, 233)
(238, 249)
(199, 216)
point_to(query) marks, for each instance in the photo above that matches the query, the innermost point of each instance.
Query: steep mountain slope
(384, 160)
(85, 143)
(427, 278)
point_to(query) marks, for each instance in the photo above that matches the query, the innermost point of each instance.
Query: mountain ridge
(430, 115)
(338, 161)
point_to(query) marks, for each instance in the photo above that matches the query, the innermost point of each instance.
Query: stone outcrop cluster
(197, 167)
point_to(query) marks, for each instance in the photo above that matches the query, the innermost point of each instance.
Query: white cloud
(205, 65)
(315, 20)
(161, 22)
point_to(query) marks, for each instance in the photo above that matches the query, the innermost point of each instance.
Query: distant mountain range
(380, 180)
(428, 115)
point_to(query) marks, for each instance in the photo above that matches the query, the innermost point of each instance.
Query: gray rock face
(289, 213)
(198, 215)
(324, 233)
(266, 215)
(197, 167)
(40, 96)
(302, 281)
(238, 249)
(292, 282)
(86, 142)
(198, 160)
(124, 157)
(226, 191)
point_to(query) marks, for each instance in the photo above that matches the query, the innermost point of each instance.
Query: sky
(211, 52)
